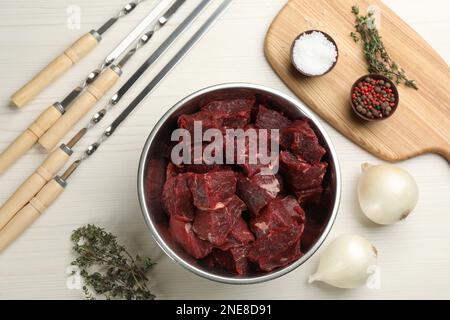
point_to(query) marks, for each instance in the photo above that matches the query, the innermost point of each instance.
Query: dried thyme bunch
(376, 55)
(107, 268)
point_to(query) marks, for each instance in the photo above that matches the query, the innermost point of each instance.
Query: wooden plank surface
(421, 123)
(414, 255)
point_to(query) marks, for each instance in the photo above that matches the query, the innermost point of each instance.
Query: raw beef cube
(230, 106)
(240, 235)
(177, 198)
(270, 119)
(172, 171)
(233, 144)
(300, 174)
(258, 191)
(234, 113)
(310, 195)
(252, 169)
(234, 259)
(301, 140)
(211, 189)
(252, 163)
(208, 120)
(202, 168)
(276, 248)
(281, 259)
(291, 206)
(278, 240)
(281, 183)
(280, 213)
(215, 225)
(239, 120)
(183, 234)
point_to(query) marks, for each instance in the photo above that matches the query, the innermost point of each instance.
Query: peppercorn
(373, 98)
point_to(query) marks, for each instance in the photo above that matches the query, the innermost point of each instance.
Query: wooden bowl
(326, 36)
(152, 176)
(376, 77)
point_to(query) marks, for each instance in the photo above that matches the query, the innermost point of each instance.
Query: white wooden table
(414, 255)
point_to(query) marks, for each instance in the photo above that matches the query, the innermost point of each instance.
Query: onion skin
(346, 263)
(386, 193)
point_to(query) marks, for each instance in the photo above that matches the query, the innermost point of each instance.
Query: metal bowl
(151, 176)
(329, 39)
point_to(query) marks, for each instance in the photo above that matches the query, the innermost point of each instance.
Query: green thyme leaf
(107, 268)
(377, 57)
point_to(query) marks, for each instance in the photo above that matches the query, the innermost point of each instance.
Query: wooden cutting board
(422, 122)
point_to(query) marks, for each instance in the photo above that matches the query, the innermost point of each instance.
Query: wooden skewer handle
(80, 107)
(29, 137)
(25, 217)
(27, 190)
(56, 68)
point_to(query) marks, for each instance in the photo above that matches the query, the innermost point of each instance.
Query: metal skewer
(63, 125)
(149, 88)
(125, 43)
(54, 188)
(78, 103)
(68, 58)
(116, 98)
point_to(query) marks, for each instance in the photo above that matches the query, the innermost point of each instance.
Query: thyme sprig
(375, 52)
(107, 268)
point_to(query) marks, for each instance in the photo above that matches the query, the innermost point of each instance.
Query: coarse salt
(314, 54)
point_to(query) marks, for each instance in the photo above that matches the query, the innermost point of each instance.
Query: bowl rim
(220, 278)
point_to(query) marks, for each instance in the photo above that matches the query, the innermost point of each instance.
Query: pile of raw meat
(234, 218)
